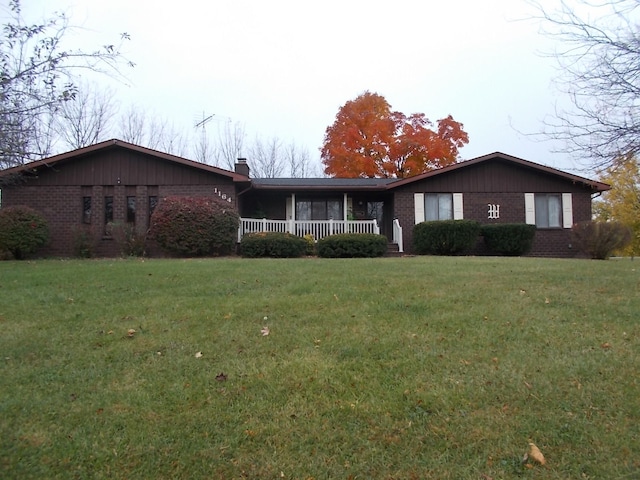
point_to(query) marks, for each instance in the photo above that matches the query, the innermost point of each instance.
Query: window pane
(445, 206)
(430, 207)
(555, 211)
(303, 210)
(542, 211)
(86, 209)
(319, 210)
(374, 211)
(131, 209)
(108, 209)
(334, 209)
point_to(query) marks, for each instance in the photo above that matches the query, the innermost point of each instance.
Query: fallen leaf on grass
(131, 332)
(546, 300)
(198, 354)
(265, 331)
(535, 455)
(523, 292)
(221, 377)
(605, 345)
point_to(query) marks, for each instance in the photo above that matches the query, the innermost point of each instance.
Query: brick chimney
(242, 167)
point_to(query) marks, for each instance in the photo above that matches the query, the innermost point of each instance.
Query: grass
(422, 367)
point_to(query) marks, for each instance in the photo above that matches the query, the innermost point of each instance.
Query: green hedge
(195, 226)
(273, 244)
(350, 245)
(22, 231)
(509, 238)
(445, 237)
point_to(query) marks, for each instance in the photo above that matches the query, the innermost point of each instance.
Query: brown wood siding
(495, 176)
(130, 168)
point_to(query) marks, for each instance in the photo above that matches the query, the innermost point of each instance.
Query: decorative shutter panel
(567, 210)
(418, 205)
(530, 208)
(458, 213)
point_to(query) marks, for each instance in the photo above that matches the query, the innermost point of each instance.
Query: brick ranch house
(115, 181)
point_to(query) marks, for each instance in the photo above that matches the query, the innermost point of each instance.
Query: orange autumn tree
(369, 140)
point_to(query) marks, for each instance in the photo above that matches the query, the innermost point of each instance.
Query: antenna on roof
(205, 119)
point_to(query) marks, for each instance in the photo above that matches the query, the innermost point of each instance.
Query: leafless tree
(86, 119)
(599, 60)
(267, 160)
(299, 161)
(37, 76)
(231, 137)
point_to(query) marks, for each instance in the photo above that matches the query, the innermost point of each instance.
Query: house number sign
(494, 210)
(223, 196)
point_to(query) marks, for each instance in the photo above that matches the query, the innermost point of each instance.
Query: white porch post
(292, 221)
(345, 208)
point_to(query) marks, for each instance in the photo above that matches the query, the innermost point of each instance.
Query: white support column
(345, 208)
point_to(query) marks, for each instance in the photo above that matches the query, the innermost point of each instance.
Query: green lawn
(400, 368)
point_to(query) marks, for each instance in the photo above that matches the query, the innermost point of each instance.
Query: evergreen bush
(508, 238)
(22, 231)
(445, 237)
(194, 226)
(352, 245)
(273, 244)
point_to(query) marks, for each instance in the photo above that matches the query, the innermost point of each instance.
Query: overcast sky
(283, 68)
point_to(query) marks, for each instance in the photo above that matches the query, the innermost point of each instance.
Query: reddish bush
(22, 231)
(194, 226)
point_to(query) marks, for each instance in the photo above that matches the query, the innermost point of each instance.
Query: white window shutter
(458, 213)
(567, 210)
(530, 208)
(418, 204)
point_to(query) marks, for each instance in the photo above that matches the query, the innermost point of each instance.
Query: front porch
(317, 228)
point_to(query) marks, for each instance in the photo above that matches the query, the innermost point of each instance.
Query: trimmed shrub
(194, 226)
(273, 244)
(508, 238)
(311, 244)
(445, 237)
(598, 240)
(352, 245)
(22, 231)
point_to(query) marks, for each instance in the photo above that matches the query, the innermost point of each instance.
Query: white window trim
(418, 205)
(567, 209)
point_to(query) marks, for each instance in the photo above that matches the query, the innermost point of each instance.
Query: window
(438, 206)
(153, 202)
(131, 209)
(108, 210)
(319, 209)
(86, 209)
(374, 211)
(548, 211)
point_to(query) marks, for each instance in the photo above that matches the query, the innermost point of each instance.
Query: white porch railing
(318, 228)
(397, 235)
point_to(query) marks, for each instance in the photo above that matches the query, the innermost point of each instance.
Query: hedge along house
(114, 181)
